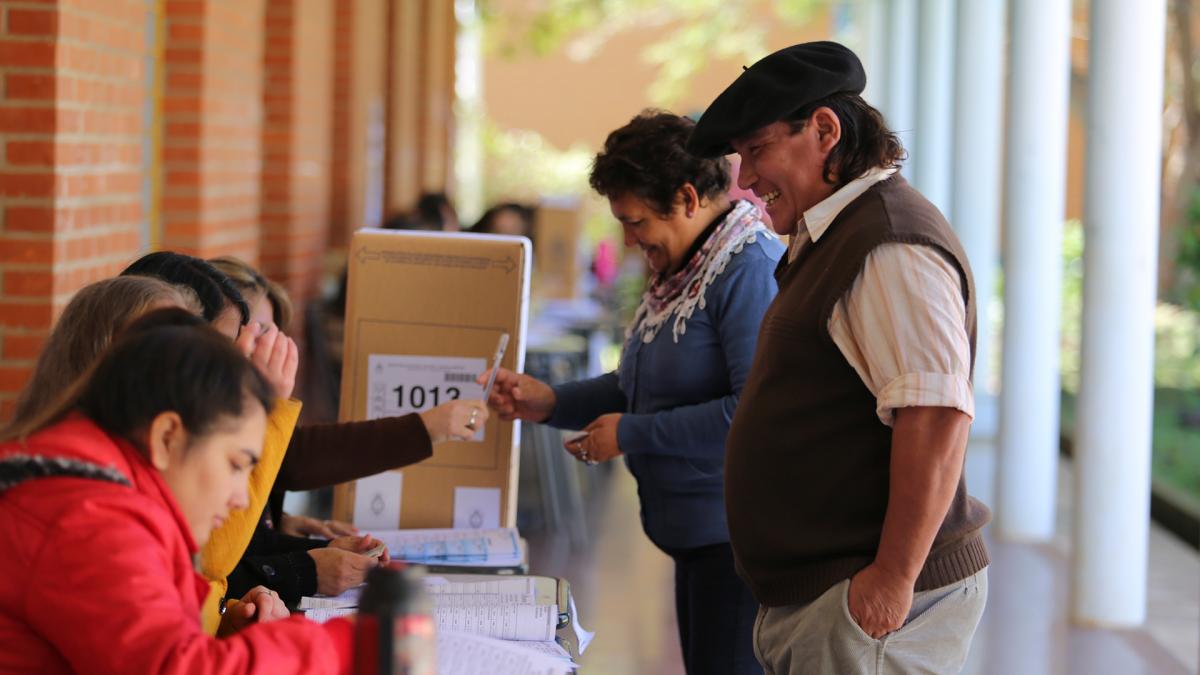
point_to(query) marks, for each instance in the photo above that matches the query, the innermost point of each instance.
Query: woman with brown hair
(321, 455)
(310, 456)
(667, 407)
(96, 313)
(105, 498)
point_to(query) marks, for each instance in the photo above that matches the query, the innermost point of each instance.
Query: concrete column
(872, 45)
(1116, 388)
(978, 159)
(468, 130)
(1035, 158)
(935, 101)
(902, 74)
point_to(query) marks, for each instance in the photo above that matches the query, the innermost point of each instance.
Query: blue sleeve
(578, 404)
(698, 431)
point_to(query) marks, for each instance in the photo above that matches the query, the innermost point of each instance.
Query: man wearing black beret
(847, 506)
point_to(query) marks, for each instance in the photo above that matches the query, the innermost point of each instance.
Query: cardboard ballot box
(424, 314)
(557, 231)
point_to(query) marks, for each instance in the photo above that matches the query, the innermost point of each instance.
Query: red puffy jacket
(97, 577)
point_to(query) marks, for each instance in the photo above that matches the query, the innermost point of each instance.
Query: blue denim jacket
(678, 400)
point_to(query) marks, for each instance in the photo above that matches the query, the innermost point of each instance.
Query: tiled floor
(623, 586)
(623, 589)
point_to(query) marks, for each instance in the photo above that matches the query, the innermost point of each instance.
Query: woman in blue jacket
(668, 406)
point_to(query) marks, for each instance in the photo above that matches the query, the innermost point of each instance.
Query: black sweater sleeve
(279, 562)
(320, 455)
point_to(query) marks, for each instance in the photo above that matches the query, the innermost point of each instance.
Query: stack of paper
(507, 608)
(466, 654)
(474, 548)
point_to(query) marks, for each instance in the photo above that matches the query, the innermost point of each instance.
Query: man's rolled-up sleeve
(903, 328)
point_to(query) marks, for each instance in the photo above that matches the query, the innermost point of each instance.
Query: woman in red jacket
(105, 499)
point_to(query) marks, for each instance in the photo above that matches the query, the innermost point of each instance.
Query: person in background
(668, 406)
(433, 212)
(848, 509)
(108, 494)
(508, 218)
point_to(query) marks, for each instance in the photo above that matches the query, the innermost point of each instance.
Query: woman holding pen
(668, 406)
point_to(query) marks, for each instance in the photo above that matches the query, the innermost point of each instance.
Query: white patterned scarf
(681, 293)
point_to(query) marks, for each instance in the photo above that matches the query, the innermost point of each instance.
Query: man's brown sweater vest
(807, 459)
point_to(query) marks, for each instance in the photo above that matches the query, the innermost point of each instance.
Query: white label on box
(476, 508)
(377, 501)
(401, 384)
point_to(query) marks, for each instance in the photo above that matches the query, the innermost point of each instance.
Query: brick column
(212, 115)
(296, 141)
(72, 83)
(421, 62)
(359, 116)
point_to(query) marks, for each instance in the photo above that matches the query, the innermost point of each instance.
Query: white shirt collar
(817, 219)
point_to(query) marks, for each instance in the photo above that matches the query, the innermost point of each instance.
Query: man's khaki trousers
(820, 637)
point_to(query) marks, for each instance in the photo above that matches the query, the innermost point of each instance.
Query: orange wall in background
(579, 102)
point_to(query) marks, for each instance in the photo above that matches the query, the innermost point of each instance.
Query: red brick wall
(272, 120)
(212, 116)
(72, 84)
(296, 142)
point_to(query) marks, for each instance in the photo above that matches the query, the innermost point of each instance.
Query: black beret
(774, 88)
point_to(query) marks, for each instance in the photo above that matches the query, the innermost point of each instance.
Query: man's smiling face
(786, 168)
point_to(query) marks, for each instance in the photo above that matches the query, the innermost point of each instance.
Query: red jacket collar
(77, 437)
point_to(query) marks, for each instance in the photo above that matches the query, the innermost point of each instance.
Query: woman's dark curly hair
(866, 141)
(647, 158)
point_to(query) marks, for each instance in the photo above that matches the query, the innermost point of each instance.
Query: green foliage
(1072, 304)
(521, 165)
(1188, 259)
(1176, 341)
(1176, 439)
(1176, 328)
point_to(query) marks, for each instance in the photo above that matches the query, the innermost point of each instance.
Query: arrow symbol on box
(364, 254)
(508, 264)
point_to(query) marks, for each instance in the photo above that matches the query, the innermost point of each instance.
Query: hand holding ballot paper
(518, 396)
(417, 383)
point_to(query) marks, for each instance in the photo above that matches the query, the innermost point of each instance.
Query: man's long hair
(866, 143)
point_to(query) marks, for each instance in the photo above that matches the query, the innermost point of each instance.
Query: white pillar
(978, 158)
(1036, 162)
(1120, 273)
(872, 45)
(935, 101)
(469, 122)
(902, 74)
